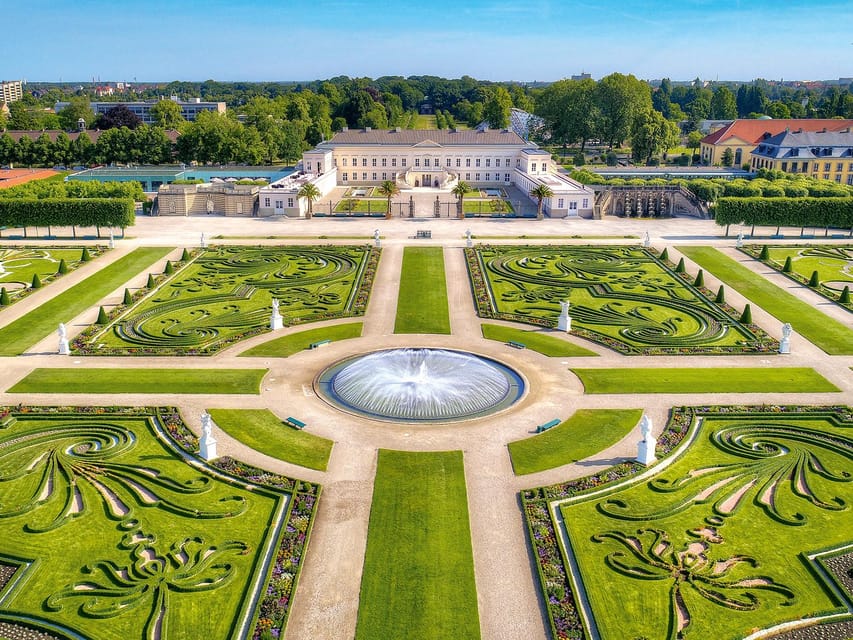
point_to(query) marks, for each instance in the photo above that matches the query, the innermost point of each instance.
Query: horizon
(540, 41)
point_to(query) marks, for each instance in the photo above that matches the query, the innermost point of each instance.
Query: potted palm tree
(311, 193)
(388, 189)
(459, 191)
(540, 192)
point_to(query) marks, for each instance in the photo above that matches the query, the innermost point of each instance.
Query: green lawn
(81, 380)
(18, 265)
(587, 432)
(362, 205)
(418, 579)
(296, 342)
(16, 337)
(534, 340)
(705, 380)
(263, 431)
(422, 304)
(828, 334)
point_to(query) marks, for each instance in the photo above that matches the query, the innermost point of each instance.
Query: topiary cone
(151, 284)
(102, 317)
(765, 253)
(63, 268)
(700, 279)
(788, 268)
(36, 284)
(185, 256)
(844, 298)
(814, 281)
(680, 266)
(85, 257)
(169, 269)
(128, 299)
(721, 295)
(664, 254)
(5, 301)
(746, 316)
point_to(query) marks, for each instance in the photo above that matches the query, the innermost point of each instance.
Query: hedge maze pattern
(113, 524)
(226, 294)
(778, 484)
(622, 297)
(18, 266)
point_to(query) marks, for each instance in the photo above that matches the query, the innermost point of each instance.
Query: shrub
(746, 316)
(765, 253)
(788, 268)
(102, 316)
(4, 298)
(185, 255)
(844, 298)
(63, 268)
(578, 159)
(814, 281)
(84, 256)
(151, 283)
(128, 299)
(700, 279)
(169, 269)
(664, 256)
(721, 295)
(36, 284)
(611, 159)
(680, 266)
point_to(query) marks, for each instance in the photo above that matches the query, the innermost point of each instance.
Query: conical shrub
(169, 269)
(721, 295)
(63, 268)
(5, 301)
(151, 284)
(700, 279)
(664, 256)
(746, 316)
(788, 268)
(814, 281)
(102, 317)
(185, 256)
(680, 266)
(844, 298)
(36, 284)
(128, 299)
(765, 253)
(84, 256)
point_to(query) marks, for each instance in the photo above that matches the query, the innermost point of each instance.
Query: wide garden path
(326, 601)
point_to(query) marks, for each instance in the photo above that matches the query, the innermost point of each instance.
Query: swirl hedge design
(225, 295)
(622, 297)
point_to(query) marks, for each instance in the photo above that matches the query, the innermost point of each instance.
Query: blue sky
(523, 40)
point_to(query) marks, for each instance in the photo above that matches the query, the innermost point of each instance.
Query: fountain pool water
(420, 385)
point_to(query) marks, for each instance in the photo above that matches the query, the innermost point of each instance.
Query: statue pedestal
(564, 323)
(646, 451)
(785, 345)
(276, 322)
(207, 448)
(64, 350)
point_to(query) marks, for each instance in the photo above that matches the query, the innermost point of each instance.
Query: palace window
(586, 203)
(478, 162)
(373, 162)
(267, 200)
(403, 162)
(560, 203)
(364, 176)
(344, 160)
(467, 162)
(374, 176)
(426, 162)
(393, 162)
(477, 177)
(467, 176)
(458, 162)
(488, 177)
(384, 176)
(533, 168)
(417, 162)
(345, 176)
(290, 203)
(488, 162)
(355, 162)
(364, 162)
(506, 177)
(384, 162)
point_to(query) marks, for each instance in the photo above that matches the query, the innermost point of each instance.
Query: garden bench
(423, 233)
(516, 345)
(547, 425)
(293, 422)
(319, 343)
(838, 235)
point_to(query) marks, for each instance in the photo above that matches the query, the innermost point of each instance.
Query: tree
(651, 135)
(619, 99)
(78, 107)
(167, 114)
(723, 105)
(118, 116)
(310, 192)
(388, 189)
(728, 157)
(81, 149)
(540, 192)
(694, 141)
(496, 108)
(459, 191)
(569, 110)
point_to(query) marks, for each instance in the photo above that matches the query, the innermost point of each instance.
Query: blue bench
(547, 425)
(516, 345)
(319, 343)
(293, 422)
(423, 233)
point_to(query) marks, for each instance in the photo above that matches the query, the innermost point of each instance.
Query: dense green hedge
(49, 188)
(67, 212)
(789, 212)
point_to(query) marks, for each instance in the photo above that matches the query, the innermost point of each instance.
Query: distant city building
(582, 76)
(189, 110)
(742, 136)
(820, 154)
(428, 160)
(11, 91)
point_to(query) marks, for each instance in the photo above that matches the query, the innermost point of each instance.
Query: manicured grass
(16, 337)
(487, 206)
(706, 380)
(828, 334)
(264, 432)
(587, 432)
(80, 380)
(422, 304)
(18, 265)
(362, 205)
(418, 579)
(539, 341)
(296, 342)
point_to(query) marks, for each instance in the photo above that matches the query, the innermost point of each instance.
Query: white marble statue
(203, 241)
(376, 239)
(112, 240)
(646, 446)
(739, 242)
(207, 444)
(469, 241)
(276, 321)
(64, 349)
(785, 345)
(564, 322)
(647, 240)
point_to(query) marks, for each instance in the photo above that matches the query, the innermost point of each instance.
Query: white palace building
(427, 160)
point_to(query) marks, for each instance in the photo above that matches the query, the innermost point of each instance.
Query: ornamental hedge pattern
(624, 297)
(19, 264)
(776, 467)
(223, 295)
(125, 532)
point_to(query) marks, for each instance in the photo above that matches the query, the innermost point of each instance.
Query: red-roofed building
(742, 136)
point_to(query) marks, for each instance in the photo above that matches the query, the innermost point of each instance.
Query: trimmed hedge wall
(789, 212)
(67, 212)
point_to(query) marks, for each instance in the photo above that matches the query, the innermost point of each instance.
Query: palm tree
(459, 191)
(389, 189)
(540, 192)
(310, 192)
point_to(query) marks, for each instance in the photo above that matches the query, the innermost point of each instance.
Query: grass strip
(264, 432)
(705, 380)
(27, 330)
(828, 334)
(587, 432)
(554, 237)
(418, 579)
(187, 381)
(422, 303)
(535, 340)
(296, 342)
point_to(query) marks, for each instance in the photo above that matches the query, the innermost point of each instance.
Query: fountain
(420, 385)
